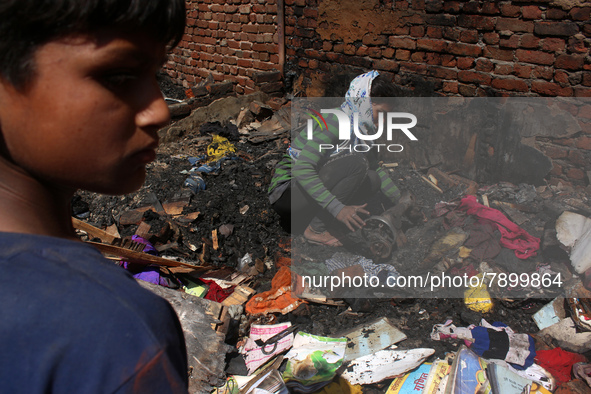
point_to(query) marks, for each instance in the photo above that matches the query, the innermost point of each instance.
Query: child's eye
(119, 79)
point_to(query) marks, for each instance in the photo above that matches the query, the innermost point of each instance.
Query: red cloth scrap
(512, 236)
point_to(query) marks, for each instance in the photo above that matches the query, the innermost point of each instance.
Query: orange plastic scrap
(278, 299)
(282, 261)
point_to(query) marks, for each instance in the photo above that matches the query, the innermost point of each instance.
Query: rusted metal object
(382, 232)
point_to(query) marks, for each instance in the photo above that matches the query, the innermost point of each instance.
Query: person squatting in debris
(321, 190)
(79, 109)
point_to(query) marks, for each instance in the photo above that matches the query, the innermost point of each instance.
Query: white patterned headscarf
(358, 100)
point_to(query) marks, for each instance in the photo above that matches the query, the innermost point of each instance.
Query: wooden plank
(240, 295)
(92, 231)
(140, 257)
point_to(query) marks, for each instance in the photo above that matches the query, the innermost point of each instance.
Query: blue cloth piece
(489, 343)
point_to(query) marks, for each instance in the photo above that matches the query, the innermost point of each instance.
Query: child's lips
(146, 155)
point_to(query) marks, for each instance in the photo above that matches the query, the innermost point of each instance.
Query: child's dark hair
(25, 25)
(382, 86)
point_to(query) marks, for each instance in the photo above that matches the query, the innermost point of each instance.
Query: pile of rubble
(202, 232)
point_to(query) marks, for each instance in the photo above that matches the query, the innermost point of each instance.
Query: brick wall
(430, 47)
(468, 48)
(231, 41)
(464, 48)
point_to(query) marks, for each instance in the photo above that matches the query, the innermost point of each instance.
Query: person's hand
(349, 216)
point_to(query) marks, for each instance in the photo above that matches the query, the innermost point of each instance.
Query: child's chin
(128, 185)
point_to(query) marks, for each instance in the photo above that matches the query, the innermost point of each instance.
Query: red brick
(511, 84)
(556, 169)
(418, 57)
(450, 86)
(511, 42)
(514, 25)
(576, 173)
(452, 6)
(566, 29)
(561, 77)
(374, 40)
(349, 49)
(584, 142)
(580, 13)
(491, 38)
(543, 73)
(476, 22)
(402, 54)
(535, 57)
(402, 5)
(569, 62)
(553, 44)
(465, 49)
(579, 158)
(388, 52)
(310, 12)
(469, 36)
(245, 63)
(582, 92)
(431, 45)
(401, 30)
(555, 13)
(576, 44)
(465, 63)
(452, 34)
(474, 77)
(498, 54)
(531, 12)
(529, 41)
(586, 79)
(362, 51)
(417, 31)
(449, 60)
(442, 72)
(406, 43)
(433, 58)
(375, 53)
(503, 69)
(259, 8)
(555, 152)
(490, 8)
(522, 71)
(510, 10)
(434, 32)
(467, 90)
(565, 142)
(387, 65)
(412, 67)
(484, 65)
(550, 89)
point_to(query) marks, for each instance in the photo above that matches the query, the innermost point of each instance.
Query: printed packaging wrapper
(253, 354)
(314, 359)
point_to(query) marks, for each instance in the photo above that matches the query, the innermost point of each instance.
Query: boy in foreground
(79, 109)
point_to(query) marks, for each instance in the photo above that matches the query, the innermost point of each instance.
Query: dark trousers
(347, 176)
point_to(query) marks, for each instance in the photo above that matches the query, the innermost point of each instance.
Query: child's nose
(155, 113)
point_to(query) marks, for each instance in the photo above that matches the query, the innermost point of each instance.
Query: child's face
(89, 118)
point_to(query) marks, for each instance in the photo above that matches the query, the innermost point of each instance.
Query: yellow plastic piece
(477, 298)
(219, 147)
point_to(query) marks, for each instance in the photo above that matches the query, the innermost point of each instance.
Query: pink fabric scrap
(512, 236)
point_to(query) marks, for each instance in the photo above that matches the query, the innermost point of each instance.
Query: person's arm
(387, 186)
(305, 169)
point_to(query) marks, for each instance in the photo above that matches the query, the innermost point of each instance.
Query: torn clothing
(512, 236)
(75, 322)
